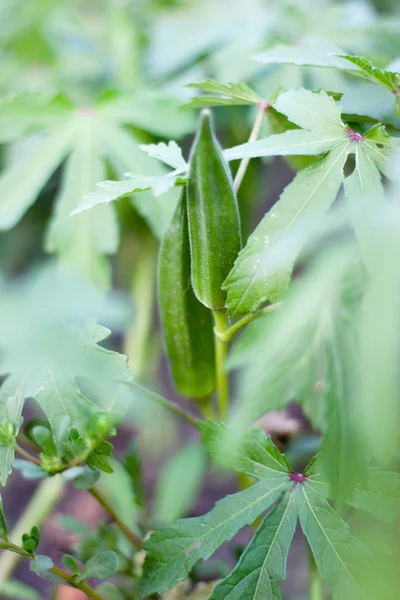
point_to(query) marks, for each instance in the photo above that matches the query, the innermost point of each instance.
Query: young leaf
(112, 190)
(263, 269)
(101, 566)
(222, 94)
(172, 551)
(71, 564)
(339, 556)
(253, 453)
(263, 564)
(170, 154)
(187, 323)
(214, 226)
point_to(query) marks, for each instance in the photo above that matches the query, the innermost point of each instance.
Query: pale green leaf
(170, 154)
(82, 241)
(389, 79)
(342, 454)
(365, 195)
(222, 94)
(339, 556)
(291, 143)
(179, 484)
(21, 183)
(124, 154)
(262, 565)
(172, 551)
(270, 349)
(308, 53)
(263, 268)
(315, 111)
(113, 190)
(11, 404)
(252, 453)
(378, 493)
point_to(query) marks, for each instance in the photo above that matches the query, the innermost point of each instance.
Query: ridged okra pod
(213, 216)
(187, 324)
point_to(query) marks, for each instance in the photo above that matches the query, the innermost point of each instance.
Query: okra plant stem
(262, 107)
(233, 329)
(206, 407)
(79, 585)
(221, 347)
(127, 532)
(316, 591)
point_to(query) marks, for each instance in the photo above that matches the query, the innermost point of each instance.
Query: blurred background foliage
(83, 83)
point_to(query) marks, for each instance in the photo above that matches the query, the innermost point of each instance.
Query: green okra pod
(213, 216)
(187, 324)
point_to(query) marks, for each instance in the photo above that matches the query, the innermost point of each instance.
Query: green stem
(27, 455)
(316, 591)
(206, 407)
(84, 587)
(128, 533)
(168, 404)
(262, 107)
(221, 348)
(231, 331)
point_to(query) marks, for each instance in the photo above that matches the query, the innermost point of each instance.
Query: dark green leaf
(339, 556)
(173, 551)
(262, 565)
(263, 269)
(71, 564)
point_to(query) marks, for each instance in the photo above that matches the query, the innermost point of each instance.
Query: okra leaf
(252, 453)
(315, 112)
(340, 557)
(172, 551)
(263, 268)
(112, 190)
(222, 94)
(378, 493)
(262, 565)
(342, 456)
(271, 348)
(11, 405)
(170, 154)
(22, 181)
(309, 53)
(295, 142)
(389, 79)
